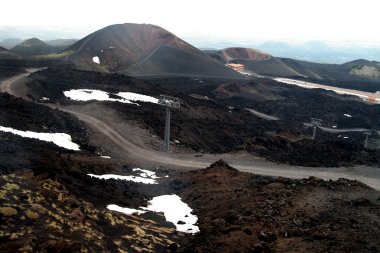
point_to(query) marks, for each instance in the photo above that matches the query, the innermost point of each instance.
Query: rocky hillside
(364, 69)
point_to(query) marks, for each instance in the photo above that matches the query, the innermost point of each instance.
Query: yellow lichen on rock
(8, 211)
(31, 215)
(10, 187)
(122, 250)
(139, 231)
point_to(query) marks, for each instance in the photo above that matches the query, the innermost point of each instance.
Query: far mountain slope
(170, 60)
(6, 54)
(10, 42)
(233, 53)
(33, 46)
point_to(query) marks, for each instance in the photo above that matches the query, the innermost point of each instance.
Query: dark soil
(17, 152)
(197, 124)
(8, 71)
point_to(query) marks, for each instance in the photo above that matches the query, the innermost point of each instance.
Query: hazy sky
(251, 20)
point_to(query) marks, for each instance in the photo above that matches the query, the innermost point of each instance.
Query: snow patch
(88, 94)
(60, 139)
(125, 178)
(137, 97)
(145, 177)
(96, 59)
(146, 173)
(105, 156)
(174, 209)
(125, 210)
(125, 97)
(348, 115)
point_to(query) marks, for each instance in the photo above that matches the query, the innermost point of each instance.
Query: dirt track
(11, 86)
(143, 155)
(361, 94)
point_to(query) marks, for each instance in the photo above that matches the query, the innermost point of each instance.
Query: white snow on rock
(125, 97)
(105, 156)
(146, 173)
(173, 208)
(137, 97)
(174, 211)
(96, 59)
(88, 94)
(348, 115)
(60, 139)
(126, 178)
(125, 210)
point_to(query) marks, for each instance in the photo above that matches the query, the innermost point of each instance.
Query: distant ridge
(33, 46)
(3, 49)
(235, 53)
(10, 42)
(265, 64)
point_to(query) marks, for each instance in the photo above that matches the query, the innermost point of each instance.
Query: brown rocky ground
(242, 212)
(237, 212)
(42, 215)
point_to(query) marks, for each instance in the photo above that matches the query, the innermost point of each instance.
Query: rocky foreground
(237, 212)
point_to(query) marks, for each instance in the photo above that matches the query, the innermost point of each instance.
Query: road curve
(8, 85)
(367, 175)
(342, 130)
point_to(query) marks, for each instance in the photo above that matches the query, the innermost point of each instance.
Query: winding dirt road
(244, 162)
(14, 86)
(140, 154)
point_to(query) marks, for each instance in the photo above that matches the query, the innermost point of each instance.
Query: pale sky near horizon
(255, 20)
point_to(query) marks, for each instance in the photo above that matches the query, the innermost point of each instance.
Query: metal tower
(316, 123)
(367, 134)
(168, 102)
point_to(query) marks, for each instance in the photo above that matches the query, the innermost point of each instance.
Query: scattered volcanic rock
(42, 215)
(242, 212)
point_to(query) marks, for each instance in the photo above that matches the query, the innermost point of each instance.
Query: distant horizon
(313, 50)
(44, 32)
(292, 21)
